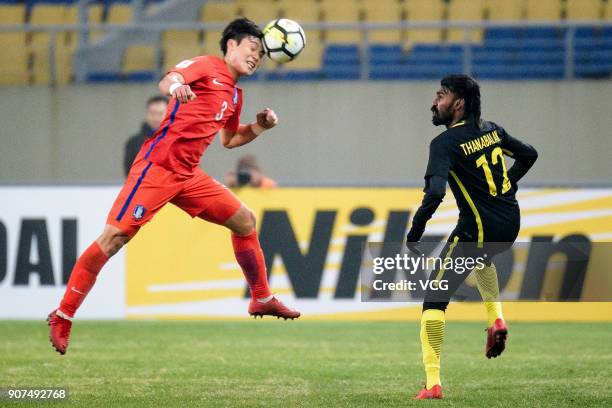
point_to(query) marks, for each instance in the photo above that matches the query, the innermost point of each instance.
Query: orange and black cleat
(59, 332)
(434, 392)
(272, 307)
(497, 335)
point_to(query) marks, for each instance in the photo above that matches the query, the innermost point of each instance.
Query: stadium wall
(329, 132)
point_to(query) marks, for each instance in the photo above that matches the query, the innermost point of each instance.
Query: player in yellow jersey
(469, 155)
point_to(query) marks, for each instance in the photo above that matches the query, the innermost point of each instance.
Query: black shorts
(463, 245)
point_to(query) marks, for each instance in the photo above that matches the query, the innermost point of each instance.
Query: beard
(441, 117)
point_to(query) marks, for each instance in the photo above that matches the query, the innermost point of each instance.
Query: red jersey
(188, 129)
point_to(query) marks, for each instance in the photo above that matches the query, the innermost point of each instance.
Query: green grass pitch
(312, 364)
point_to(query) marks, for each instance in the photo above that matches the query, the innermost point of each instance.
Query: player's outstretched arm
(436, 175)
(435, 189)
(173, 84)
(266, 119)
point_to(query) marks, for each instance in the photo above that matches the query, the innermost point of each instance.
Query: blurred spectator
(248, 173)
(155, 113)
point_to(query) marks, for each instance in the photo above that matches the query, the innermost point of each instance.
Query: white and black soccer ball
(283, 40)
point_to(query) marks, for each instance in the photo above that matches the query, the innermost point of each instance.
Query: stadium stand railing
(48, 43)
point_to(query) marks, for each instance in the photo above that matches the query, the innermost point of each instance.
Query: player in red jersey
(205, 100)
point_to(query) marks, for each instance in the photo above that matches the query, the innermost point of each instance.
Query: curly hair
(466, 88)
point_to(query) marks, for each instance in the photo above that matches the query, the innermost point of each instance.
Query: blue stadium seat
(386, 54)
(501, 33)
(110, 76)
(31, 3)
(437, 54)
(293, 75)
(341, 54)
(254, 77)
(103, 77)
(341, 62)
(139, 76)
(339, 72)
(593, 52)
(424, 61)
(539, 57)
(386, 72)
(430, 71)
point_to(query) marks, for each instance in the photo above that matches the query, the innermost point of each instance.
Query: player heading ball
(205, 101)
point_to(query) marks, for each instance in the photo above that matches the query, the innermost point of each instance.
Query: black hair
(466, 88)
(156, 99)
(238, 30)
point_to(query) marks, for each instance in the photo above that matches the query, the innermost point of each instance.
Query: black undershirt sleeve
(438, 167)
(435, 189)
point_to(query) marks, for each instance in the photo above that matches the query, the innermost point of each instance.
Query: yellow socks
(432, 337)
(488, 287)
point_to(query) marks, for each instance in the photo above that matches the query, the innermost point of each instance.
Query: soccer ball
(283, 40)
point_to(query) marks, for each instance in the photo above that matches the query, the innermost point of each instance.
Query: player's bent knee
(243, 222)
(247, 224)
(112, 240)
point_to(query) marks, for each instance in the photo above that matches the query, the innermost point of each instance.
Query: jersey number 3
(496, 156)
(219, 115)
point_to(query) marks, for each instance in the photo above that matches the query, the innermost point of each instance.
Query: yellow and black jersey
(470, 157)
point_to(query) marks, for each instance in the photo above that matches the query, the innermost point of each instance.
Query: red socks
(251, 259)
(248, 254)
(82, 278)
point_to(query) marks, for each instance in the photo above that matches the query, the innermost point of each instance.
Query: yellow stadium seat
(219, 11)
(543, 10)
(44, 59)
(383, 11)
(14, 78)
(211, 43)
(45, 14)
(341, 11)
(309, 59)
(12, 14)
(41, 67)
(71, 16)
(179, 38)
(174, 55)
(423, 10)
(14, 65)
(465, 10)
(119, 13)
(608, 11)
(505, 10)
(94, 16)
(139, 58)
(304, 12)
(63, 64)
(261, 12)
(583, 9)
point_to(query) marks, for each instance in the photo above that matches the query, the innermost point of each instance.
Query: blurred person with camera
(248, 173)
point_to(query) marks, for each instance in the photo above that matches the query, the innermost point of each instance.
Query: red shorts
(149, 187)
